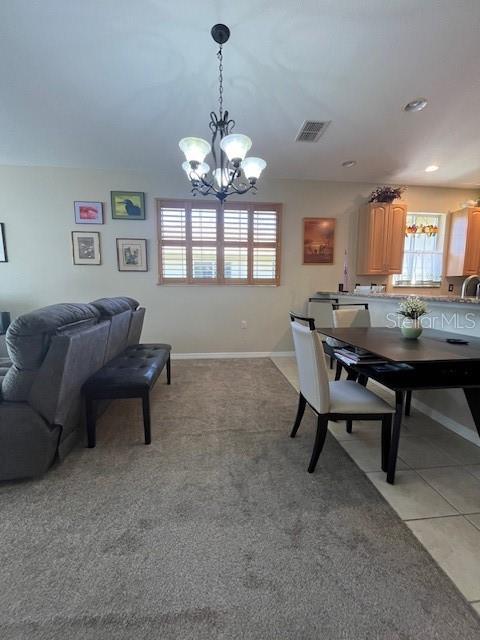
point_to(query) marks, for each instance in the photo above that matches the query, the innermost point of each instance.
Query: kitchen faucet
(467, 281)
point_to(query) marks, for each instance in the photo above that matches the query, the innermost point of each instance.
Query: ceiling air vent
(311, 130)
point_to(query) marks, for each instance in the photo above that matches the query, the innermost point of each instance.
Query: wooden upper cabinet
(381, 238)
(397, 223)
(464, 243)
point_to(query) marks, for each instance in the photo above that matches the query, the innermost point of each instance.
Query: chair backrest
(321, 310)
(354, 315)
(312, 369)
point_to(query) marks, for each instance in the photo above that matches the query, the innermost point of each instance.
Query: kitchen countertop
(453, 299)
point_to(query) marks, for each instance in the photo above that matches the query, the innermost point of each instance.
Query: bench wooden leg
(168, 371)
(146, 417)
(90, 420)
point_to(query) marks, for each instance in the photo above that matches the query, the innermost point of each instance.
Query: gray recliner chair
(53, 351)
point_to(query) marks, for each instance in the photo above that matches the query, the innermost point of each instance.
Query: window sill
(416, 286)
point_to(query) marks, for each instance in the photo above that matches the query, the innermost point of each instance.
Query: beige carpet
(215, 530)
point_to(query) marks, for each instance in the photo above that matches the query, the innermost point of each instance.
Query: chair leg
(386, 438)
(169, 371)
(146, 417)
(349, 426)
(331, 362)
(338, 370)
(408, 402)
(302, 403)
(322, 428)
(90, 421)
(363, 379)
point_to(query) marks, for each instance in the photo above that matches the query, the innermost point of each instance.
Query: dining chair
(320, 310)
(349, 315)
(336, 400)
(356, 315)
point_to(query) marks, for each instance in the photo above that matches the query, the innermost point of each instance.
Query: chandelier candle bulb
(195, 149)
(252, 168)
(198, 172)
(236, 146)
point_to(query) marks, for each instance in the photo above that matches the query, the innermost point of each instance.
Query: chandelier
(233, 171)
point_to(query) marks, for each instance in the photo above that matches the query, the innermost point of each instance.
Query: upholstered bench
(130, 375)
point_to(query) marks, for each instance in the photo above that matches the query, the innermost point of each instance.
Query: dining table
(403, 365)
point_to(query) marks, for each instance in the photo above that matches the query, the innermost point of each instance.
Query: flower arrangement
(412, 308)
(386, 194)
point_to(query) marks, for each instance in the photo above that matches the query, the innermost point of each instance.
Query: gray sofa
(51, 353)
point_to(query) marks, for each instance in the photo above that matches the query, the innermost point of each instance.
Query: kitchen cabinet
(381, 238)
(463, 256)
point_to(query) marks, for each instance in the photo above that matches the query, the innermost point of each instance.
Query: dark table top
(390, 345)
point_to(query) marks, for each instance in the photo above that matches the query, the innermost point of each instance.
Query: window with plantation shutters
(202, 242)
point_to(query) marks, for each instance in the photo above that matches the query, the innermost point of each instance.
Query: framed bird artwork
(128, 205)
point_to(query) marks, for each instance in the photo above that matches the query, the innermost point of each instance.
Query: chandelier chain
(220, 80)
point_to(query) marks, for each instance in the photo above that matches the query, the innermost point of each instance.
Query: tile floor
(437, 487)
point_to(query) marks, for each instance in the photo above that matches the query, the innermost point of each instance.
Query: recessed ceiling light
(416, 105)
(349, 163)
(431, 168)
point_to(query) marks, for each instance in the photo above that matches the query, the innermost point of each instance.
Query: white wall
(37, 209)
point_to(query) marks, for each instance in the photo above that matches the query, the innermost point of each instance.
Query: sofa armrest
(27, 443)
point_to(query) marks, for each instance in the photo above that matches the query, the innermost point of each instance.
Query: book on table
(358, 356)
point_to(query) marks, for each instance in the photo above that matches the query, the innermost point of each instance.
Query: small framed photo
(318, 240)
(3, 244)
(128, 205)
(86, 247)
(132, 254)
(88, 212)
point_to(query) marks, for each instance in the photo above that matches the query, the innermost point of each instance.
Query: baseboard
(233, 354)
(449, 423)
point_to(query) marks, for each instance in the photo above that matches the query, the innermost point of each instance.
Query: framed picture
(3, 244)
(318, 240)
(86, 247)
(128, 205)
(132, 254)
(88, 212)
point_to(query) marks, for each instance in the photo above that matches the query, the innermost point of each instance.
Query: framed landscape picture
(86, 247)
(318, 240)
(132, 254)
(3, 244)
(128, 205)
(88, 212)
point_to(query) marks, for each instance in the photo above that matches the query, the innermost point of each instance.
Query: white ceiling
(116, 83)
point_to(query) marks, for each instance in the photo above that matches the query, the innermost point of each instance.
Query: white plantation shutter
(204, 225)
(204, 222)
(174, 262)
(203, 243)
(235, 263)
(235, 240)
(235, 225)
(172, 230)
(265, 240)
